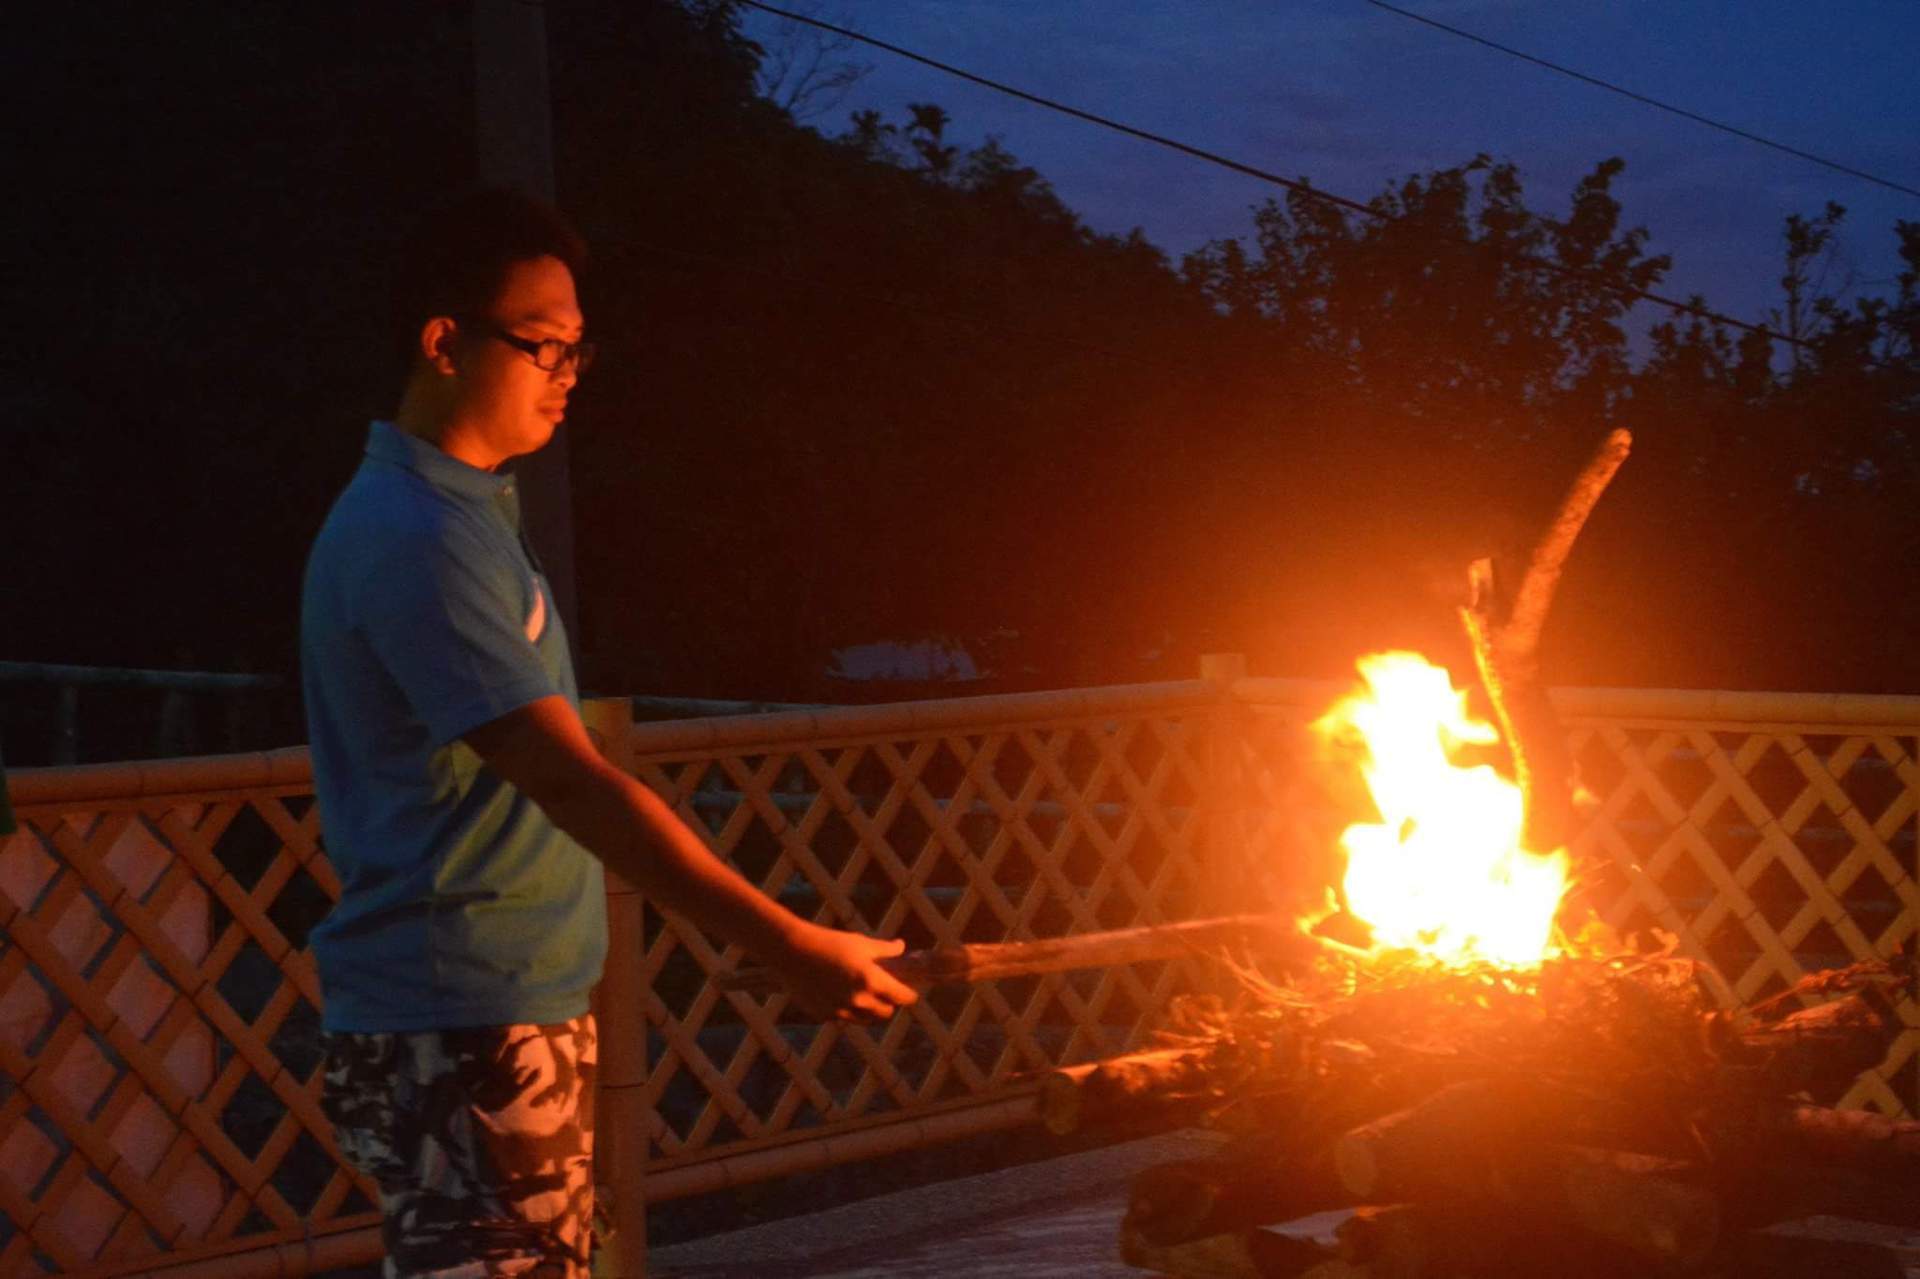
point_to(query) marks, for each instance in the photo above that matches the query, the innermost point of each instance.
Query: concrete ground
(1047, 1220)
(1056, 1219)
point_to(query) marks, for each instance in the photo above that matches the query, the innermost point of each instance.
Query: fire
(1443, 870)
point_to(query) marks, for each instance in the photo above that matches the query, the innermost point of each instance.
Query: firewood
(1162, 1082)
(1240, 1254)
(1424, 1241)
(1394, 1242)
(1765, 1194)
(1451, 1145)
(1638, 1202)
(1506, 653)
(1519, 637)
(1194, 1198)
(1535, 740)
(1476, 1144)
(1856, 1139)
(1276, 936)
(1408, 1241)
(1823, 1048)
(1782, 1256)
(1418, 1241)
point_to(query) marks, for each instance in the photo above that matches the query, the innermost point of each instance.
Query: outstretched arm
(543, 749)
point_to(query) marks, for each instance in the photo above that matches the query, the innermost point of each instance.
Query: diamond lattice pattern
(986, 836)
(1767, 853)
(158, 1025)
(159, 1032)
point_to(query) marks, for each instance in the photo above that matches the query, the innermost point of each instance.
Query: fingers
(883, 982)
(850, 985)
(876, 1002)
(864, 1010)
(886, 984)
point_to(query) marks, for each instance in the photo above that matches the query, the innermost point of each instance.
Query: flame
(1443, 870)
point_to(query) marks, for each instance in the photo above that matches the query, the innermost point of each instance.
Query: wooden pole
(1225, 878)
(513, 146)
(66, 732)
(986, 961)
(621, 1118)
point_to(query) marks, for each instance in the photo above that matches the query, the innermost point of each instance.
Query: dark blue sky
(1353, 96)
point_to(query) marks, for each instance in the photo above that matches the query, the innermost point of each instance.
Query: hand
(836, 976)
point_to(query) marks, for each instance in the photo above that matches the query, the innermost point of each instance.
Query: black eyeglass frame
(579, 354)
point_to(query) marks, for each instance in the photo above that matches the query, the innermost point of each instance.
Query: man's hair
(457, 258)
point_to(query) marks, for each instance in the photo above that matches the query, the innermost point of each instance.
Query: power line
(1253, 171)
(1598, 83)
(1211, 157)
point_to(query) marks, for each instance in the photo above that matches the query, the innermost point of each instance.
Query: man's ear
(437, 338)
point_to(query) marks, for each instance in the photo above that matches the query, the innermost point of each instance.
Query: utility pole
(513, 137)
(513, 142)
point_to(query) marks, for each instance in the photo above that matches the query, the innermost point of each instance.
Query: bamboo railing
(158, 1011)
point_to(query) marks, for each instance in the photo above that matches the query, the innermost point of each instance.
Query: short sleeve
(441, 611)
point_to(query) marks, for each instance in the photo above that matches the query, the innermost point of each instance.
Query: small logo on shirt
(537, 616)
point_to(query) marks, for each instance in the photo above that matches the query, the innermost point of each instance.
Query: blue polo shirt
(424, 615)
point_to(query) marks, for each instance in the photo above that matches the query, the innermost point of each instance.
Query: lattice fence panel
(1768, 852)
(158, 1027)
(981, 835)
(159, 1031)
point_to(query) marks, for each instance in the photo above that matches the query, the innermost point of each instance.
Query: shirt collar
(388, 443)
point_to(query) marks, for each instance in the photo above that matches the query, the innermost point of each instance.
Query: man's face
(509, 404)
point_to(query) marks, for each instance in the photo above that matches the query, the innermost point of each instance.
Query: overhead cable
(1051, 104)
(1253, 171)
(1610, 87)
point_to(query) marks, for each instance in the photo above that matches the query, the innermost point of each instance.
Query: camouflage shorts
(481, 1142)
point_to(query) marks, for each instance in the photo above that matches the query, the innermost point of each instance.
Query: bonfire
(1486, 1083)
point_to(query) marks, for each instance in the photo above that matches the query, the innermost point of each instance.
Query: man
(460, 794)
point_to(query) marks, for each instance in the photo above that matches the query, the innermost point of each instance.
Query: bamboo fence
(159, 1013)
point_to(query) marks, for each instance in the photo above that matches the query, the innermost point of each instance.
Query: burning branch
(1506, 652)
(1282, 938)
(1519, 637)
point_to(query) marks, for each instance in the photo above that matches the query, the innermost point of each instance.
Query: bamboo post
(620, 1104)
(66, 731)
(1223, 836)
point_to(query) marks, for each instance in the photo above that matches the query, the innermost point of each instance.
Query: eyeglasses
(549, 354)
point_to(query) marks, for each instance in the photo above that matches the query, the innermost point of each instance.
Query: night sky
(1353, 96)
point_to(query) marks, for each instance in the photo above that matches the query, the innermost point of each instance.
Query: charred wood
(1422, 1241)
(1856, 1139)
(1240, 1254)
(1195, 1198)
(1476, 1145)
(1453, 1145)
(1166, 1083)
(1782, 1256)
(1766, 1194)
(1506, 645)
